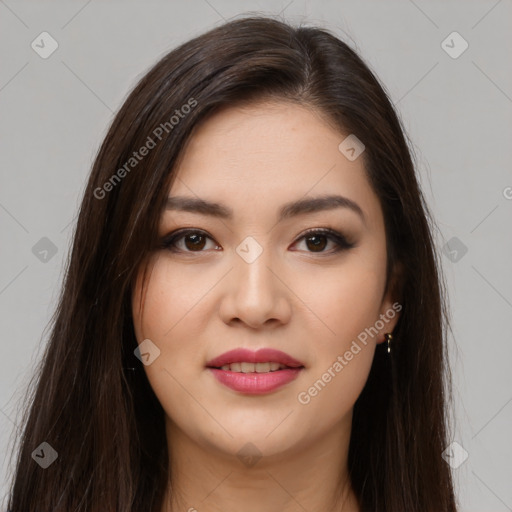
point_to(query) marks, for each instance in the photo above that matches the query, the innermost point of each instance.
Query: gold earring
(388, 337)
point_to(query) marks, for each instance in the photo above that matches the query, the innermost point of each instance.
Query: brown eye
(317, 240)
(194, 241)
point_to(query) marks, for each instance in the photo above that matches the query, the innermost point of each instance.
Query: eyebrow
(288, 210)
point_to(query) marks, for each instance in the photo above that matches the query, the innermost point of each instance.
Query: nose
(256, 293)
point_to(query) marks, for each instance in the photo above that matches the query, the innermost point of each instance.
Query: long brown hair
(101, 417)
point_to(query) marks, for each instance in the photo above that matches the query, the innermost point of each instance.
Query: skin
(311, 303)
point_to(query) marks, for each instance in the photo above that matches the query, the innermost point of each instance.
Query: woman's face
(250, 277)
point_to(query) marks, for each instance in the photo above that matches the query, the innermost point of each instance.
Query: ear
(391, 302)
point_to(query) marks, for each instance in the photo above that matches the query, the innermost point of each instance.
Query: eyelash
(342, 244)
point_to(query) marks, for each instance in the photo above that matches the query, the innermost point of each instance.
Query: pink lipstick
(257, 372)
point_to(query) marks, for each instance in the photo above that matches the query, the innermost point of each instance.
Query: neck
(205, 479)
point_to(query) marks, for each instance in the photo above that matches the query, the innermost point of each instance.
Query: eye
(316, 239)
(194, 240)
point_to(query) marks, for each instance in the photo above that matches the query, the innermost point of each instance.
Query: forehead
(261, 155)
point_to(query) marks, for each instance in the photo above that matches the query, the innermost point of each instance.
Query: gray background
(457, 111)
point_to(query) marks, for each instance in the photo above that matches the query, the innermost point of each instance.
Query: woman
(253, 315)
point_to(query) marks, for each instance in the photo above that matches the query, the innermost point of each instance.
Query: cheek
(174, 317)
(170, 307)
(341, 361)
(172, 295)
(346, 304)
(334, 385)
(344, 300)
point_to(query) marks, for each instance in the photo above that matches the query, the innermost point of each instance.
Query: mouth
(255, 373)
(246, 367)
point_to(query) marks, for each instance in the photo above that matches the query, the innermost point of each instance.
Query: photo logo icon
(351, 147)
(455, 455)
(454, 45)
(249, 455)
(454, 249)
(44, 250)
(147, 352)
(249, 249)
(44, 455)
(44, 45)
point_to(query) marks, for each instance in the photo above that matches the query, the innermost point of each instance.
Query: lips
(264, 355)
(245, 371)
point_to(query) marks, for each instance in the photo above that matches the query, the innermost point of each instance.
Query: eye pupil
(195, 237)
(316, 245)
